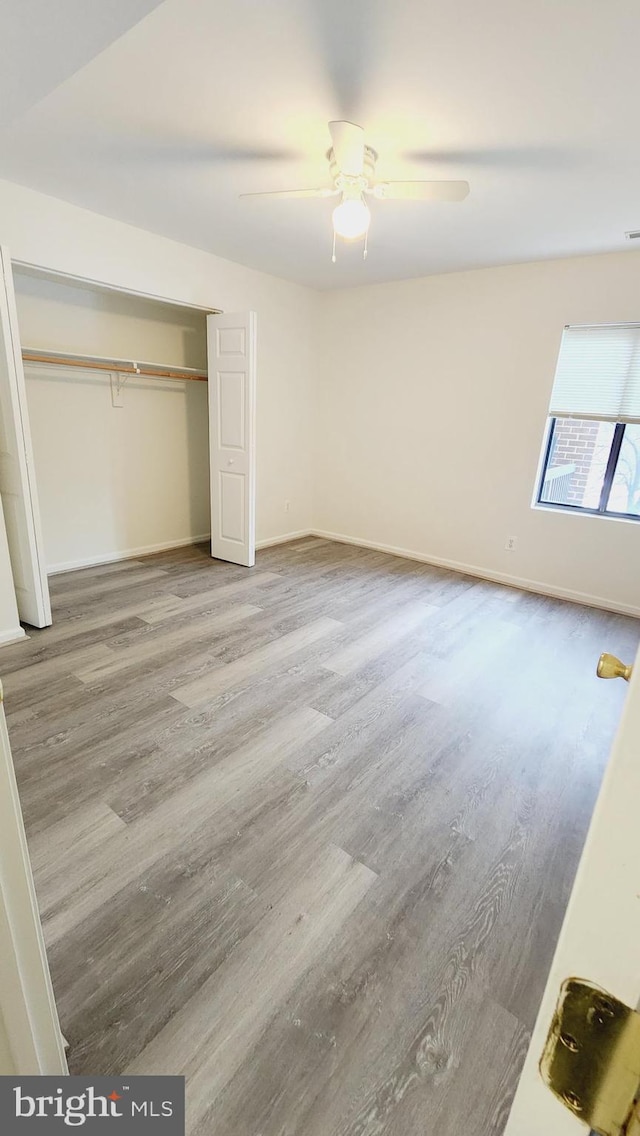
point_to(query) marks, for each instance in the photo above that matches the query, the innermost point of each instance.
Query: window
(592, 451)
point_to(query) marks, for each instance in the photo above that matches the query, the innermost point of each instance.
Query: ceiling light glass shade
(351, 218)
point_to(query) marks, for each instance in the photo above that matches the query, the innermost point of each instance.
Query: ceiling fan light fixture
(351, 218)
(352, 165)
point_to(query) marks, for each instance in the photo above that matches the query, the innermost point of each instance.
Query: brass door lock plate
(591, 1059)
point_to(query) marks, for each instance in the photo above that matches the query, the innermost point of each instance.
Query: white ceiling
(534, 103)
(43, 43)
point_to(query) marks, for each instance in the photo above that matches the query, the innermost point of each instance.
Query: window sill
(569, 512)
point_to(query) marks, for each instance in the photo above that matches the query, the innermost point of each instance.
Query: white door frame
(19, 489)
(27, 1004)
(41, 270)
(45, 272)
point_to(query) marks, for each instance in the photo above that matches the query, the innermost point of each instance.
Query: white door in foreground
(17, 474)
(231, 346)
(27, 1007)
(600, 937)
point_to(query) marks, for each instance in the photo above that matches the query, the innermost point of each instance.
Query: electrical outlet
(287, 506)
(510, 543)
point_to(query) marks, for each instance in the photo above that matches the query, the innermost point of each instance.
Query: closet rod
(91, 363)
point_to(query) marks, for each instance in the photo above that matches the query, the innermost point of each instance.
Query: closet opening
(119, 428)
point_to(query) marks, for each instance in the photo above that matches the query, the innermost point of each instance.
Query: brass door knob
(611, 667)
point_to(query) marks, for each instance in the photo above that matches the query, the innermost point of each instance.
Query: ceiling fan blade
(348, 147)
(325, 191)
(421, 190)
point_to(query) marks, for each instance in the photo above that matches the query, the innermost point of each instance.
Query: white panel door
(17, 475)
(600, 937)
(231, 342)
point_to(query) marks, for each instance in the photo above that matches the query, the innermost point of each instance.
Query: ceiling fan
(352, 165)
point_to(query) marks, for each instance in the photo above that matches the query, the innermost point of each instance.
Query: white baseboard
(406, 553)
(12, 634)
(285, 538)
(147, 550)
(124, 554)
(488, 574)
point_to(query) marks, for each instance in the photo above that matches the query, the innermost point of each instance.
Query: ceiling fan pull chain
(366, 248)
(333, 252)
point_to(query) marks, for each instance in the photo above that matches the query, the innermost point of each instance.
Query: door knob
(611, 667)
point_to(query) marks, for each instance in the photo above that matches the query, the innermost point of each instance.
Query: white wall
(114, 481)
(117, 482)
(431, 411)
(61, 316)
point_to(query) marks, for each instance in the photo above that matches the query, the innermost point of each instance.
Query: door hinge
(591, 1059)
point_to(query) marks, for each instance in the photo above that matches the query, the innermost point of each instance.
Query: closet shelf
(119, 366)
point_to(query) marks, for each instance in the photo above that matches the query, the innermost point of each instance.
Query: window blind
(598, 374)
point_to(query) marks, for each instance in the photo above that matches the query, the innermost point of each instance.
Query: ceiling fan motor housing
(342, 181)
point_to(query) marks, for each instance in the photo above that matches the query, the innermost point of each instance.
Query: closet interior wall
(114, 481)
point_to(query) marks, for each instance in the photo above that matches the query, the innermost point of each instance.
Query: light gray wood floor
(306, 832)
